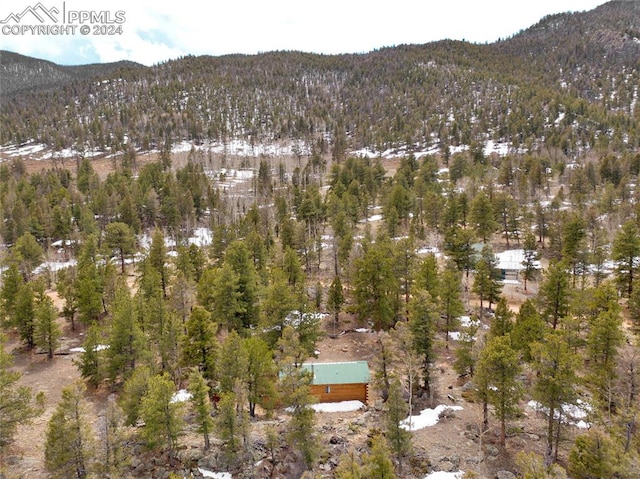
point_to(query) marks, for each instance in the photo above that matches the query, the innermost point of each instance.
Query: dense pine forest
(179, 240)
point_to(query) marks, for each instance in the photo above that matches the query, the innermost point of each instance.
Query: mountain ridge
(566, 82)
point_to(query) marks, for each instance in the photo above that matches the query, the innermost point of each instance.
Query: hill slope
(568, 82)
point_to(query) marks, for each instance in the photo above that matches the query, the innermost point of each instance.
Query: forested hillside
(462, 217)
(569, 82)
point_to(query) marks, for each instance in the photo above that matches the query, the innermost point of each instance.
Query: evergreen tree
(625, 251)
(200, 345)
(528, 329)
(349, 466)
(396, 411)
(11, 282)
(486, 279)
(423, 318)
(604, 338)
(335, 300)
(219, 292)
(532, 466)
(162, 415)
(482, 216)
(69, 443)
(17, 403)
(90, 363)
(297, 398)
(377, 464)
(238, 258)
(555, 293)
(127, 344)
(157, 258)
(89, 282)
(46, 330)
(501, 323)
(114, 453)
(375, 285)
(451, 307)
(134, 389)
(531, 257)
(229, 425)
(233, 363)
(261, 374)
(498, 363)
(25, 314)
(556, 365)
(595, 455)
(120, 237)
(201, 405)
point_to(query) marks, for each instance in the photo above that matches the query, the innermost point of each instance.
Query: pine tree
(127, 344)
(25, 314)
(555, 293)
(498, 363)
(162, 415)
(396, 411)
(603, 341)
(451, 307)
(486, 279)
(528, 329)
(349, 466)
(69, 443)
(423, 318)
(377, 464)
(11, 282)
(134, 389)
(90, 362)
(595, 454)
(261, 374)
(114, 453)
(200, 345)
(556, 365)
(201, 405)
(531, 257)
(482, 217)
(120, 237)
(47, 332)
(375, 285)
(17, 403)
(233, 363)
(625, 251)
(335, 300)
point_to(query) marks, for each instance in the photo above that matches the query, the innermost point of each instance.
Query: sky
(73, 32)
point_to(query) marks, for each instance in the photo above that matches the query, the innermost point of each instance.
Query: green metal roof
(352, 372)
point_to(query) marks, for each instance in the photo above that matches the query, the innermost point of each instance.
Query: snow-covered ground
(343, 406)
(54, 266)
(426, 418)
(215, 475)
(445, 475)
(574, 414)
(181, 396)
(99, 347)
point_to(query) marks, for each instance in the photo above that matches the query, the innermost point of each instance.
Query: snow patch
(99, 347)
(574, 414)
(215, 475)
(426, 418)
(343, 406)
(445, 475)
(181, 396)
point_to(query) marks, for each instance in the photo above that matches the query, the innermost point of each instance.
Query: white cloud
(158, 30)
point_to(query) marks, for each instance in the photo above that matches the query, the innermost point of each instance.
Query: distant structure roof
(351, 372)
(512, 259)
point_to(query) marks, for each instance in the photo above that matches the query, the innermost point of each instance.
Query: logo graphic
(38, 10)
(40, 20)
